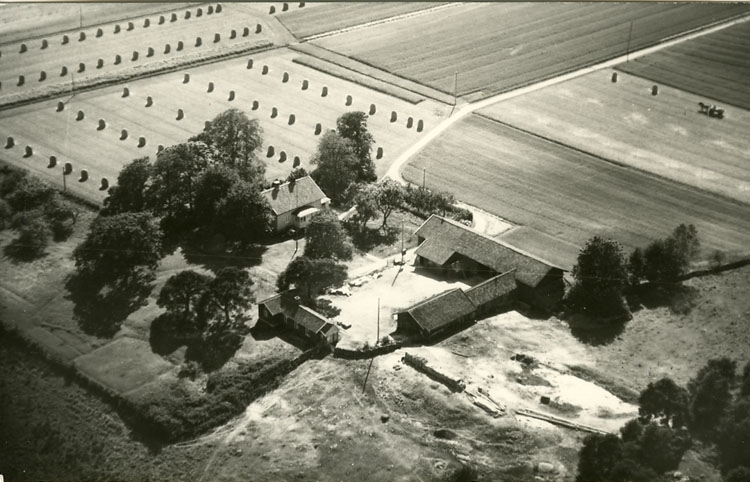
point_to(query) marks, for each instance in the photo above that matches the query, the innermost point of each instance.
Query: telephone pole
(630, 35)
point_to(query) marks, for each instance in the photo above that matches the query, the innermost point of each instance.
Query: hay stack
(173, 17)
(420, 125)
(99, 32)
(282, 156)
(100, 63)
(67, 168)
(45, 44)
(84, 176)
(270, 151)
(149, 101)
(305, 84)
(348, 100)
(285, 77)
(199, 12)
(65, 39)
(42, 76)
(63, 71)
(180, 45)
(186, 79)
(23, 49)
(255, 105)
(409, 122)
(9, 142)
(81, 36)
(231, 96)
(21, 80)
(373, 109)
(123, 134)
(146, 23)
(210, 87)
(131, 26)
(296, 162)
(198, 42)
(232, 34)
(258, 28)
(125, 92)
(135, 56)
(150, 52)
(187, 15)
(379, 154)
(284, 7)
(210, 10)
(162, 20)
(117, 28)
(28, 152)
(52, 162)
(104, 184)
(81, 67)
(272, 10)
(218, 8)
(318, 128)
(265, 70)
(217, 37)
(180, 114)
(324, 91)
(167, 48)
(292, 119)
(249, 64)
(80, 115)
(394, 116)
(274, 112)
(245, 31)
(60, 106)
(141, 141)
(118, 59)
(102, 125)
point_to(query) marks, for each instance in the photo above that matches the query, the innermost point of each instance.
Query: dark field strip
(715, 65)
(497, 47)
(568, 194)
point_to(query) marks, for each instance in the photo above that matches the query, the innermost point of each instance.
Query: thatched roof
(293, 195)
(441, 309)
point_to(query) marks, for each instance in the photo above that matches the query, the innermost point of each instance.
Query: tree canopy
(667, 259)
(601, 276)
(710, 395)
(353, 127)
(337, 166)
(181, 293)
(326, 238)
(664, 400)
(311, 276)
(227, 299)
(174, 178)
(129, 193)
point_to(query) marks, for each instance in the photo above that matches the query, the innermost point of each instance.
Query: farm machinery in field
(711, 110)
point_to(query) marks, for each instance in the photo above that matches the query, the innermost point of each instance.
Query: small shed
(286, 312)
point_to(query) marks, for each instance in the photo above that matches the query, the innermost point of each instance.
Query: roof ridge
(487, 281)
(434, 297)
(285, 183)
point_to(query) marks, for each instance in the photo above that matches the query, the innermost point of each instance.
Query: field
(716, 66)
(319, 18)
(103, 154)
(623, 122)
(496, 47)
(568, 194)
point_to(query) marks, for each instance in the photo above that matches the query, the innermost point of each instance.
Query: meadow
(716, 66)
(622, 122)
(569, 194)
(496, 47)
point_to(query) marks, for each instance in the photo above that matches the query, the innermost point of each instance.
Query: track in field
(570, 195)
(496, 47)
(623, 122)
(716, 66)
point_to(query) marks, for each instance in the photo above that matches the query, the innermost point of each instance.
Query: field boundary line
(377, 22)
(608, 160)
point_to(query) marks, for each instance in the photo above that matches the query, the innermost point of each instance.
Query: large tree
(28, 192)
(226, 301)
(244, 214)
(181, 293)
(337, 166)
(600, 276)
(211, 189)
(733, 441)
(311, 276)
(129, 193)
(597, 457)
(326, 238)
(353, 127)
(669, 258)
(236, 138)
(117, 245)
(664, 400)
(365, 204)
(710, 395)
(389, 196)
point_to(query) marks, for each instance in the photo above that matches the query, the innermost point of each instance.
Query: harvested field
(568, 194)
(716, 66)
(327, 17)
(103, 154)
(664, 134)
(496, 47)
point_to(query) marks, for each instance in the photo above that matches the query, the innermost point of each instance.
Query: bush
(33, 238)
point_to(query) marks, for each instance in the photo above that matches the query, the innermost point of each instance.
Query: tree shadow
(368, 239)
(593, 330)
(213, 350)
(680, 299)
(18, 252)
(213, 253)
(102, 303)
(168, 333)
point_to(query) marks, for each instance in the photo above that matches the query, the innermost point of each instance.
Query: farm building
(437, 314)
(493, 294)
(452, 248)
(295, 202)
(284, 311)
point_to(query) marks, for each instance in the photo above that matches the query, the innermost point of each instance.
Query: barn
(284, 311)
(436, 315)
(295, 202)
(454, 249)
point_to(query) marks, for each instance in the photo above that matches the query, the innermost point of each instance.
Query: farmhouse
(284, 311)
(452, 248)
(295, 202)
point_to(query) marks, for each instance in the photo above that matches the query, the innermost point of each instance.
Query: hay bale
(284, 7)
(292, 119)
(123, 134)
(28, 152)
(255, 105)
(42, 76)
(420, 125)
(173, 17)
(162, 20)
(199, 12)
(614, 77)
(167, 48)
(99, 32)
(23, 49)
(210, 87)
(274, 112)
(296, 162)
(272, 10)
(141, 141)
(104, 184)
(81, 36)
(655, 90)
(231, 96)
(135, 56)
(150, 52)
(52, 162)
(45, 44)
(285, 77)
(217, 37)
(373, 109)
(180, 45)
(245, 31)
(80, 115)
(117, 28)
(118, 59)
(249, 64)
(206, 125)
(131, 26)
(125, 92)
(186, 78)
(63, 71)
(379, 154)
(100, 63)
(348, 100)
(324, 91)
(60, 106)
(84, 176)
(198, 42)
(394, 116)
(9, 142)
(301, 4)
(149, 101)
(265, 70)
(180, 114)
(232, 34)
(282, 156)
(67, 168)
(102, 125)
(187, 15)
(270, 151)
(146, 23)
(159, 148)
(218, 8)
(409, 122)
(21, 80)
(258, 28)
(318, 128)
(210, 10)
(65, 39)
(81, 67)
(305, 84)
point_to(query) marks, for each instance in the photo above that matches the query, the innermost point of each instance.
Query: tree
(687, 244)
(311, 276)
(210, 191)
(738, 474)
(6, 214)
(29, 193)
(129, 193)
(337, 166)
(181, 293)
(227, 299)
(244, 214)
(118, 244)
(61, 216)
(664, 400)
(600, 275)
(364, 202)
(667, 259)
(636, 266)
(326, 238)
(710, 395)
(389, 196)
(597, 457)
(662, 448)
(236, 138)
(33, 238)
(353, 127)
(745, 382)
(296, 173)
(733, 436)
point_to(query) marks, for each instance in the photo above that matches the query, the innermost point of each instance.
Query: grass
(567, 194)
(623, 122)
(716, 66)
(496, 47)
